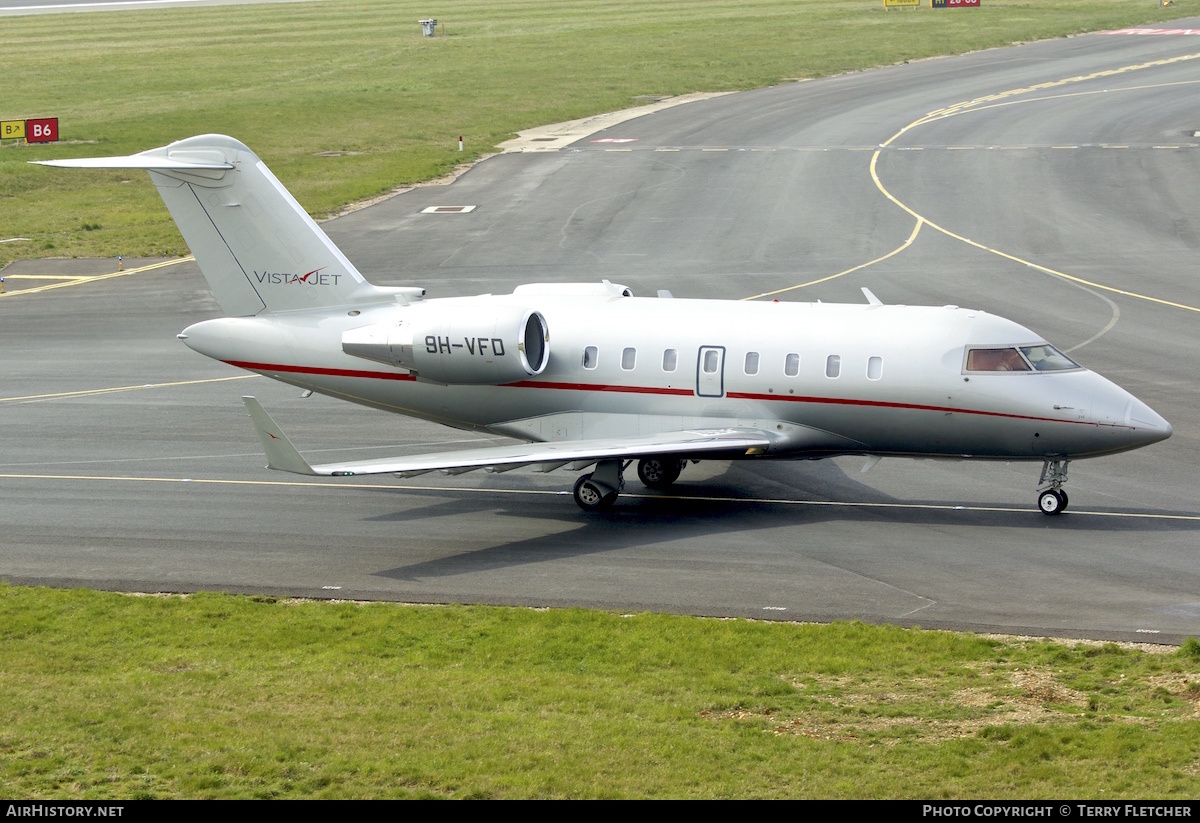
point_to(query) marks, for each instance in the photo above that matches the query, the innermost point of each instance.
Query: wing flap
(282, 455)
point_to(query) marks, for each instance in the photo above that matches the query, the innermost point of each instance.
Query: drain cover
(447, 209)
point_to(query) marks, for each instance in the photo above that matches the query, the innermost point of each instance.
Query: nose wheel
(1053, 500)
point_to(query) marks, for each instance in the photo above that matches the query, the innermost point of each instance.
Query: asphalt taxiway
(1051, 183)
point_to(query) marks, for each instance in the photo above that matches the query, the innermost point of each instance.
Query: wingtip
(281, 454)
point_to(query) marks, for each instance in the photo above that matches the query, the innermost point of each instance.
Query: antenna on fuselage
(871, 298)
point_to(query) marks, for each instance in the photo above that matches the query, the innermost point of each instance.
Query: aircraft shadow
(712, 508)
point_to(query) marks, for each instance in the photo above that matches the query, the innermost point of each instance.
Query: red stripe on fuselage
(538, 384)
(275, 367)
(603, 387)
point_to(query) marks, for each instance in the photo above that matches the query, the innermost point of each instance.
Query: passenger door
(710, 371)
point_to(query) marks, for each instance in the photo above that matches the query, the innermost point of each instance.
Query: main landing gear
(659, 472)
(599, 489)
(1053, 499)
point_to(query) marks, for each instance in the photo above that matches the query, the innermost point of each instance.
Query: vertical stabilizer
(258, 249)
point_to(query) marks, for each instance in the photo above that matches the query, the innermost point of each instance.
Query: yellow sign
(12, 129)
(890, 3)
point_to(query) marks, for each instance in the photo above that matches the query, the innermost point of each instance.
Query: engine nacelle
(475, 345)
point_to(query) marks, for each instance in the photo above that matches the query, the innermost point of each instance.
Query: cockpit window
(1042, 357)
(1047, 358)
(996, 360)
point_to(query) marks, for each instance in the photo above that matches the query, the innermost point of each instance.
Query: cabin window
(628, 358)
(874, 368)
(833, 365)
(751, 362)
(711, 361)
(670, 360)
(791, 366)
(589, 357)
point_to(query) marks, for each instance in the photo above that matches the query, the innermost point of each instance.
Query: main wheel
(658, 472)
(1052, 501)
(590, 497)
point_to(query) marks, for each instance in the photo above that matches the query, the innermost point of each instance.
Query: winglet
(281, 454)
(871, 298)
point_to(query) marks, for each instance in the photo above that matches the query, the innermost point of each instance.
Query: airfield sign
(37, 130)
(44, 130)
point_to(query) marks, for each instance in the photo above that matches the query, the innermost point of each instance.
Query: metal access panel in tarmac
(1052, 183)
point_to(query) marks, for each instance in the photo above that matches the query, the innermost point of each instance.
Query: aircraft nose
(1146, 422)
(1128, 420)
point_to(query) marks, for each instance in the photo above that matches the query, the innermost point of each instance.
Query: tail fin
(258, 248)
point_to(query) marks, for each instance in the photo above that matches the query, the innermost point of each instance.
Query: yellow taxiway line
(982, 104)
(993, 101)
(40, 398)
(80, 280)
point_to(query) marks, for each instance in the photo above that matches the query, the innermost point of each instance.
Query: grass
(359, 80)
(214, 696)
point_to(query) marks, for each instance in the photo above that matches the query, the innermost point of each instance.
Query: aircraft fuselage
(823, 378)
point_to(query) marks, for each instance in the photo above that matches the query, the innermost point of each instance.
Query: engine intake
(478, 345)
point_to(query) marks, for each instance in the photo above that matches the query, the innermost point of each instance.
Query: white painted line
(336, 485)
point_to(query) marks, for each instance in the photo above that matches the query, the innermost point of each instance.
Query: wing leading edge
(282, 455)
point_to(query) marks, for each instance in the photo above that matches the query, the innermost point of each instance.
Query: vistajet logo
(312, 278)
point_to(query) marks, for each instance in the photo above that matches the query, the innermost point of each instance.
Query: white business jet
(591, 377)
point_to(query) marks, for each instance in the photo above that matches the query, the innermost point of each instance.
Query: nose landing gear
(1053, 500)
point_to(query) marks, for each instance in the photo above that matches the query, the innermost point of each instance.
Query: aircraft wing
(282, 455)
(138, 161)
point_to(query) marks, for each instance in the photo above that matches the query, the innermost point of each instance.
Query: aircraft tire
(658, 472)
(590, 497)
(1052, 501)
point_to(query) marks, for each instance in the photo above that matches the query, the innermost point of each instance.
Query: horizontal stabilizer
(282, 455)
